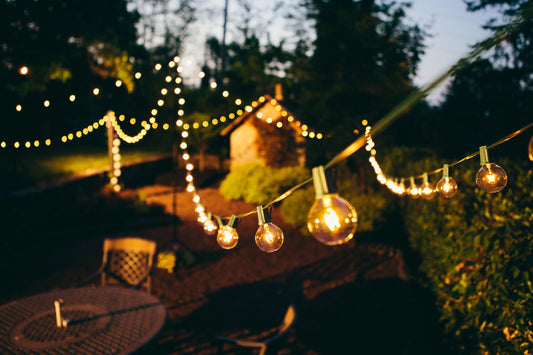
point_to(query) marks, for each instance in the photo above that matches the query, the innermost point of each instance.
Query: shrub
(476, 254)
(259, 184)
(371, 206)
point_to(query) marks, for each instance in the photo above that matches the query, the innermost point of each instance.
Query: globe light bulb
(227, 236)
(446, 187)
(210, 227)
(490, 177)
(413, 191)
(269, 237)
(427, 189)
(331, 220)
(401, 190)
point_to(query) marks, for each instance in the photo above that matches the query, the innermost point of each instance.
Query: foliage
(278, 146)
(478, 99)
(476, 254)
(371, 206)
(259, 184)
(364, 56)
(517, 51)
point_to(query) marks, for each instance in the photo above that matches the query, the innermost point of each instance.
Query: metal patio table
(102, 320)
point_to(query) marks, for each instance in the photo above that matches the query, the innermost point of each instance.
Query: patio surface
(356, 298)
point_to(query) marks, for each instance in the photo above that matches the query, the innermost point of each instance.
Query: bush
(476, 254)
(259, 184)
(371, 206)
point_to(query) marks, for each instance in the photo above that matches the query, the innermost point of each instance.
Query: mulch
(356, 298)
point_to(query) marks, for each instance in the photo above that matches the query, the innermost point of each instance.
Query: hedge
(476, 253)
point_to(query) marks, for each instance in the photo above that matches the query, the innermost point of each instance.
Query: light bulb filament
(331, 219)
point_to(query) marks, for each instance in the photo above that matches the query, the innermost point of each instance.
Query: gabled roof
(262, 102)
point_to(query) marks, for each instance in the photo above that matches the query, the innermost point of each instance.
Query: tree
(201, 134)
(362, 62)
(68, 46)
(493, 97)
(163, 25)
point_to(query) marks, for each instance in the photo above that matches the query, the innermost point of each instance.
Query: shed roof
(268, 100)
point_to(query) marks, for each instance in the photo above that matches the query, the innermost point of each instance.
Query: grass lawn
(20, 168)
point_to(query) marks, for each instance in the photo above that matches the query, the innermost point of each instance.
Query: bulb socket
(232, 222)
(263, 215)
(445, 171)
(426, 179)
(483, 155)
(323, 183)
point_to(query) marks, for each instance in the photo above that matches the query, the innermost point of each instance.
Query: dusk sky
(453, 30)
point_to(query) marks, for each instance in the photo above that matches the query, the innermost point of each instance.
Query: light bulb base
(483, 155)
(445, 170)
(322, 182)
(263, 215)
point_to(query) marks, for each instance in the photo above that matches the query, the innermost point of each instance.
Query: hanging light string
(35, 143)
(396, 184)
(64, 139)
(395, 113)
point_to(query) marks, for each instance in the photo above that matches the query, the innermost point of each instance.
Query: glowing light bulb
(227, 236)
(269, 237)
(446, 187)
(413, 191)
(427, 189)
(401, 189)
(210, 227)
(331, 220)
(490, 177)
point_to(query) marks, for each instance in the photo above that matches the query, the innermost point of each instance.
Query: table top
(104, 320)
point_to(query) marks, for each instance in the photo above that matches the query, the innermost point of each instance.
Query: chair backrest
(128, 261)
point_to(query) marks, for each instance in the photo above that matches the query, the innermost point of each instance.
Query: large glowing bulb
(227, 236)
(427, 189)
(490, 177)
(331, 220)
(446, 187)
(269, 237)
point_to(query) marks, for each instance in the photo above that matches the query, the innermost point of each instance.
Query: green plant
(259, 184)
(477, 256)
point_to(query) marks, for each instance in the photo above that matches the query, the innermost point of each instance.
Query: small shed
(267, 134)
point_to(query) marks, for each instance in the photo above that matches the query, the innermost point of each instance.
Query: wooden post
(110, 136)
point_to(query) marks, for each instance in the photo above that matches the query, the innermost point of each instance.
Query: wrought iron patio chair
(126, 261)
(263, 345)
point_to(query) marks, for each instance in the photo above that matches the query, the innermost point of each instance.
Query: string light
(490, 177)
(331, 220)
(446, 187)
(269, 237)
(357, 144)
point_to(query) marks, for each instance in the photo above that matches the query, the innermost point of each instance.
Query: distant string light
(490, 177)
